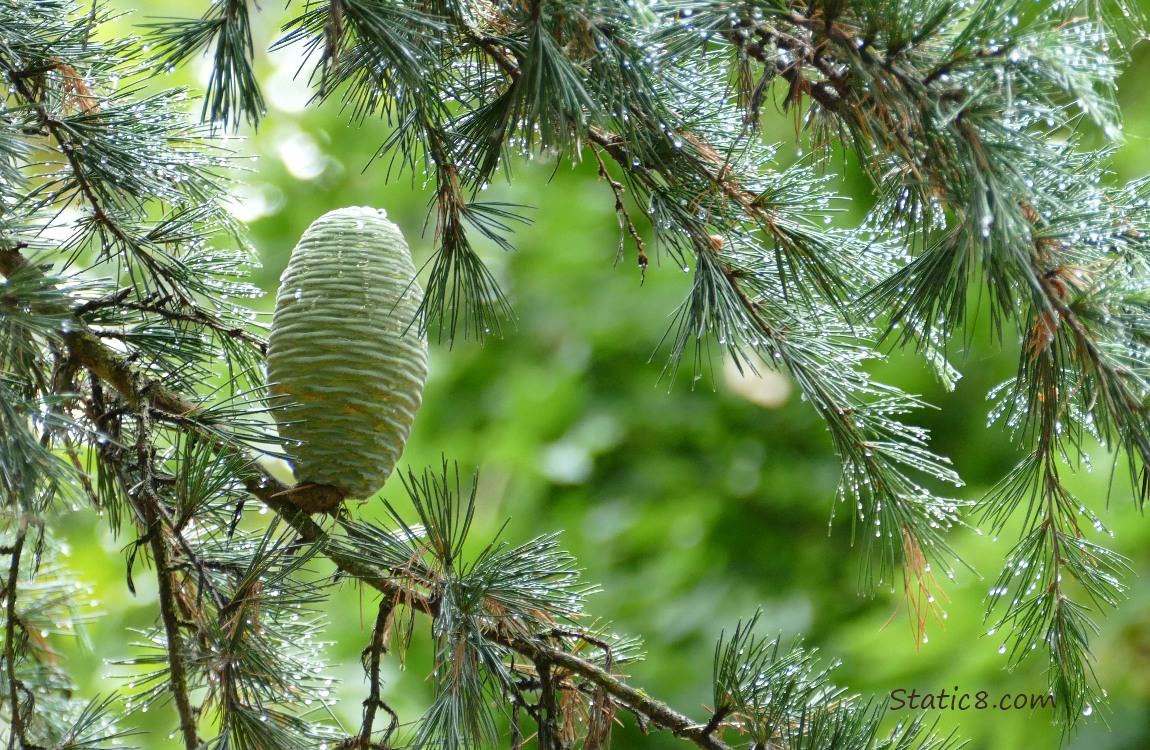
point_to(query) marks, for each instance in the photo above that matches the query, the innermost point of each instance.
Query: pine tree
(131, 369)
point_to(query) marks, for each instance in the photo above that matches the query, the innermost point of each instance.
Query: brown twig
(16, 738)
(372, 658)
(626, 226)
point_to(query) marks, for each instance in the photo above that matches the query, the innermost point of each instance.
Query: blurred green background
(688, 502)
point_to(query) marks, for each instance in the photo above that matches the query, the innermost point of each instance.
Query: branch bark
(16, 736)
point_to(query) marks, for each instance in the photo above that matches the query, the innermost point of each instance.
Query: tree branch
(294, 503)
(16, 738)
(149, 503)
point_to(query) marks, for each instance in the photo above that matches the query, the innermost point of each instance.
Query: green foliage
(131, 366)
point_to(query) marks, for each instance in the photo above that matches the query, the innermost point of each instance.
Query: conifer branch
(50, 124)
(144, 393)
(149, 504)
(16, 689)
(531, 64)
(372, 659)
(161, 305)
(233, 92)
